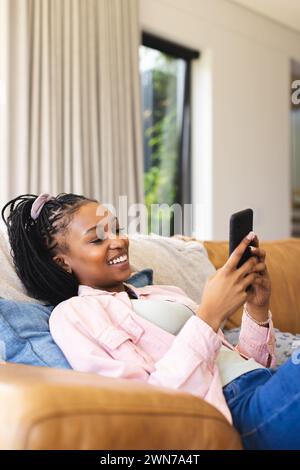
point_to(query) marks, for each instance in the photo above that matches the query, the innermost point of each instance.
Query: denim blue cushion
(24, 330)
(142, 278)
(25, 337)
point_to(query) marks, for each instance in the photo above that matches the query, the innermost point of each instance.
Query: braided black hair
(33, 244)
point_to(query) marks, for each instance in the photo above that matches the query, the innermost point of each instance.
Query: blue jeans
(265, 406)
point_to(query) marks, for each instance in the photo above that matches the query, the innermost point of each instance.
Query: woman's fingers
(248, 267)
(260, 267)
(255, 242)
(252, 266)
(259, 252)
(248, 280)
(236, 255)
(259, 280)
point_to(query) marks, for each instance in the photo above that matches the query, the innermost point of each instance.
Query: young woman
(68, 255)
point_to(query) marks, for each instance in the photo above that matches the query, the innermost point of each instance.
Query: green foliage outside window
(161, 139)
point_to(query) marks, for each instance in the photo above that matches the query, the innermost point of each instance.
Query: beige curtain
(70, 98)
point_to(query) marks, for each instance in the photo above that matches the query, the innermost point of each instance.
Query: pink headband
(38, 204)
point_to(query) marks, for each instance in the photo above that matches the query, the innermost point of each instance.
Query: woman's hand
(225, 291)
(258, 295)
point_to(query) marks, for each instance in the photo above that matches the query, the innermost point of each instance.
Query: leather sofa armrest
(44, 408)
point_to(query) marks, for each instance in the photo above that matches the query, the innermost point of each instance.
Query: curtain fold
(71, 116)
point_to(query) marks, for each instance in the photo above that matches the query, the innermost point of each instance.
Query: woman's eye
(98, 240)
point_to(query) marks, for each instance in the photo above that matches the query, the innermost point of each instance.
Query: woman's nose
(116, 241)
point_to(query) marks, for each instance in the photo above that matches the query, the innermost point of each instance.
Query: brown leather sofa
(58, 409)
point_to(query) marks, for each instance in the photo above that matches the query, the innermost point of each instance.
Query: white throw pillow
(184, 264)
(10, 285)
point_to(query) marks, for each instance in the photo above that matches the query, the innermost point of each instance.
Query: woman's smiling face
(92, 243)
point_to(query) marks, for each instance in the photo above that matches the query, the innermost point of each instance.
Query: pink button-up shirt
(99, 332)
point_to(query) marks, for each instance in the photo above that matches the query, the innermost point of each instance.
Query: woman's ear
(63, 263)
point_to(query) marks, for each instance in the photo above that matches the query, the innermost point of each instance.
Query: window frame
(178, 51)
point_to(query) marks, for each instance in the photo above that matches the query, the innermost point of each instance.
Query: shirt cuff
(255, 333)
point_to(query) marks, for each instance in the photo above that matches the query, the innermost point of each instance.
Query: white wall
(241, 134)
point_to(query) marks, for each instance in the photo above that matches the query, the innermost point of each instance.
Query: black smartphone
(241, 223)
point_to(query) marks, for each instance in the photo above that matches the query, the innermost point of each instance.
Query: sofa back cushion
(283, 261)
(175, 262)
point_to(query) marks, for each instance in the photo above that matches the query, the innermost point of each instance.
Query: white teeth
(118, 260)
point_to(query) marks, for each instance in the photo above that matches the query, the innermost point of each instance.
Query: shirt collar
(87, 290)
